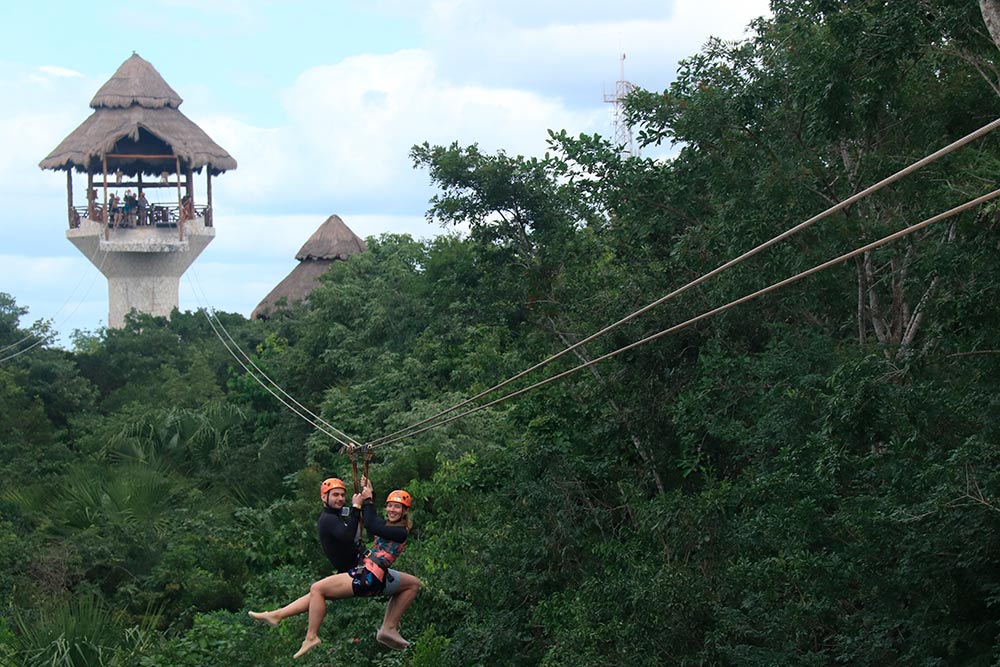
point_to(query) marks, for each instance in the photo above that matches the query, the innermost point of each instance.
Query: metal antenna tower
(622, 130)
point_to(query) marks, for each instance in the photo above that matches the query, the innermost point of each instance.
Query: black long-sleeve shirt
(337, 535)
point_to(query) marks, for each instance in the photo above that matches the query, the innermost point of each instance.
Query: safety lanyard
(352, 453)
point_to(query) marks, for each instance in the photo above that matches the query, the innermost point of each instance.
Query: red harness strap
(375, 569)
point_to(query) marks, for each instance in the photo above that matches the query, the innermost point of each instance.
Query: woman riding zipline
(367, 579)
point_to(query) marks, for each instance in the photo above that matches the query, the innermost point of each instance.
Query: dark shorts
(364, 583)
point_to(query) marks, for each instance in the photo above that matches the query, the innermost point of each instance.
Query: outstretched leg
(388, 634)
(332, 588)
(272, 618)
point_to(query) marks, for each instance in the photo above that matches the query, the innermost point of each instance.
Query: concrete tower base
(143, 265)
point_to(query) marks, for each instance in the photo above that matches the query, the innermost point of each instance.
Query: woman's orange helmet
(330, 484)
(401, 497)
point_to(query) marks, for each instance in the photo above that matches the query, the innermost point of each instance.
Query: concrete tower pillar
(143, 265)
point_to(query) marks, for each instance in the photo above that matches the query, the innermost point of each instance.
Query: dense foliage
(807, 479)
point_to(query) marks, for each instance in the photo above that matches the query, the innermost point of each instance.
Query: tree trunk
(991, 15)
(581, 354)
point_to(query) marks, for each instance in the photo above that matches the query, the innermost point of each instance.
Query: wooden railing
(158, 215)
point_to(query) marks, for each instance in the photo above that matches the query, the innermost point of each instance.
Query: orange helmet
(401, 497)
(330, 484)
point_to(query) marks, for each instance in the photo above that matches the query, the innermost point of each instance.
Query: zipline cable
(41, 339)
(972, 136)
(787, 281)
(288, 405)
(76, 307)
(277, 386)
(302, 411)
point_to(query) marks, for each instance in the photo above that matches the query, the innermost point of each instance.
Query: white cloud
(266, 163)
(61, 72)
(496, 74)
(574, 51)
(534, 14)
(352, 125)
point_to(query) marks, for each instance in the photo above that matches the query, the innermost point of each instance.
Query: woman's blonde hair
(404, 519)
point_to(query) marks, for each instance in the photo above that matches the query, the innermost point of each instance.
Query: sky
(319, 102)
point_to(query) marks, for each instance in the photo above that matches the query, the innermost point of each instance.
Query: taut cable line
(276, 385)
(778, 285)
(288, 405)
(43, 339)
(972, 136)
(301, 411)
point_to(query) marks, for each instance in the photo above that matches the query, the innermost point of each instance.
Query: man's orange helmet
(401, 497)
(330, 484)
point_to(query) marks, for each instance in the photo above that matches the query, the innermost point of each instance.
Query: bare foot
(392, 639)
(307, 645)
(264, 617)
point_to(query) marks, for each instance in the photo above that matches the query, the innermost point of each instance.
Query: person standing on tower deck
(115, 219)
(187, 208)
(143, 206)
(92, 204)
(129, 209)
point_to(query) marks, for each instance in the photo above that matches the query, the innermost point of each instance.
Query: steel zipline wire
(972, 136)
(677, 327)
(48, 338)
(348, 443)
(302, 411)
(40, 339)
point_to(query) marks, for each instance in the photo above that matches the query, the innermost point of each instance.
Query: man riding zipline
(340, 538)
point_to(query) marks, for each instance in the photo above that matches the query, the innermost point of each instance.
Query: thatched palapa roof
(333, 241)
(136, 112)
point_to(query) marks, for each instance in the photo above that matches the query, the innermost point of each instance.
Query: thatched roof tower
(136, 114)
(333, 241)
(137, 141)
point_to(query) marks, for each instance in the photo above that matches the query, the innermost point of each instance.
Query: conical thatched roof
(136, 83)
(136, 112)
(331, 242)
